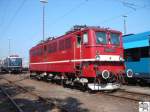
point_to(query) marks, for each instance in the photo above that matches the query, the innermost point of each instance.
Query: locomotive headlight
(129, 73)
(97, 57)
(105, 74)
(121, 58)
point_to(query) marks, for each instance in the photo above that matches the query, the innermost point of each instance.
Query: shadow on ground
(69, 104)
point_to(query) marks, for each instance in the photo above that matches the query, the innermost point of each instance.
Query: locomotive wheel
(45, 78)
(84, 88)
(32, 76)
(64, 84)
(142, 83)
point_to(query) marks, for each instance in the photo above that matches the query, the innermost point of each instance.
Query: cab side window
(85, 38)
(78, 40)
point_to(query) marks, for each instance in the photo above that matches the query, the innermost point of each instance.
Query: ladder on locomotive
(78, 66)
(78, 69)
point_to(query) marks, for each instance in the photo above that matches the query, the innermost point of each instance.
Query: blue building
(137, 55)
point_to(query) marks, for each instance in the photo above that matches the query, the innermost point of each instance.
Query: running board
(108, 86)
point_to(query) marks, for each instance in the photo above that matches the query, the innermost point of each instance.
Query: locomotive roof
(136, 40)
(76, 29)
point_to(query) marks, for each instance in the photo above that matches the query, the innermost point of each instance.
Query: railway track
(128, 95)
(123, 94)
(46, 101)
(16, 106)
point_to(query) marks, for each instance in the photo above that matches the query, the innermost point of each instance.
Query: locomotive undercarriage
(72, 80)
(98, 83)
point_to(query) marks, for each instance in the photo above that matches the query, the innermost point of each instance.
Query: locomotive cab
(101, 55)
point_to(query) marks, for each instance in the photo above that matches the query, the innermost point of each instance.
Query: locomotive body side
(52, 56)
(90, 56)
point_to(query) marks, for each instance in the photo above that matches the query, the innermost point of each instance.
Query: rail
(128, 95)
(11, 100)
(123, 94)
(44, 100)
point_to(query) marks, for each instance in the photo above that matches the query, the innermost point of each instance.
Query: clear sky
(21, 20)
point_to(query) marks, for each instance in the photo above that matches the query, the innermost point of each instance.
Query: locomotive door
(77, 53)
(80, 47)
(83, 45)
(45, 53)
(45, 57)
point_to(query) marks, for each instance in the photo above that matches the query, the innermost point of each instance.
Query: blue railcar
(12, 64)
(137, 56)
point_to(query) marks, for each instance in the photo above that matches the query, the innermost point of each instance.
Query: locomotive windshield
(115, 38)
(15, 61)
(101, 38)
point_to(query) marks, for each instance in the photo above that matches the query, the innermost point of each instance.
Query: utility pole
(9, 47)
(43, 3)
(125, 24)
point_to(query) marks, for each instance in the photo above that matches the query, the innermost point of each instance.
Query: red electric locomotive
(88, 56)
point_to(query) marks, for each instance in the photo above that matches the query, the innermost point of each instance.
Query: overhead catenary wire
(69, 12)
(129, 5)
(13, 18)
(132, 6)
(126, 13)
(4, 15)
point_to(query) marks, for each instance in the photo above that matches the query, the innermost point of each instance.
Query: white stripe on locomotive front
(102, 58)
